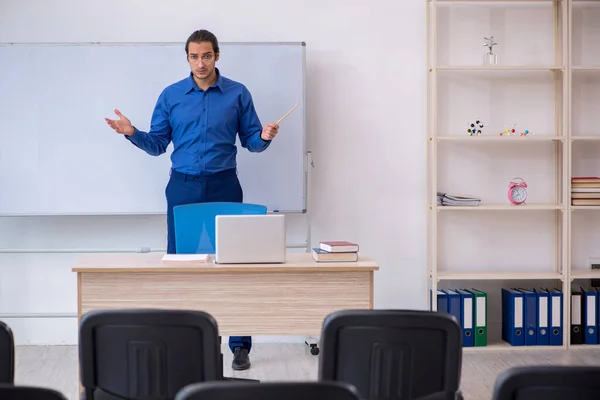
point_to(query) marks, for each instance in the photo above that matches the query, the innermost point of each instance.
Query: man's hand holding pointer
(270, 130)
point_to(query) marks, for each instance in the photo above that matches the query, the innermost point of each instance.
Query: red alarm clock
(517, 191)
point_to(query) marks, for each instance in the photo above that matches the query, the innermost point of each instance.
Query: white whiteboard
(58, 155)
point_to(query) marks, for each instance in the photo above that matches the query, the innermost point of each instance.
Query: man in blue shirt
(201, 115)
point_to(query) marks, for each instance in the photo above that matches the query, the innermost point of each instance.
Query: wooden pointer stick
(288, 113)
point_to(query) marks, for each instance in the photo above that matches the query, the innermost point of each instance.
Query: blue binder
(530, 316)
(555, 316)
(454, 304)
(544, 315)
(589, 306)
(597, 289)
(512, 317)
(442, 301)
(466, 322)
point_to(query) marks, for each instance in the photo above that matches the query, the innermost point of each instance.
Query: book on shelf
(585, 180)
(586, 202)
(585, 191)
(445, 199)
(320, 255)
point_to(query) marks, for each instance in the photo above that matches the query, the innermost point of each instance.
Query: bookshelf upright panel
(584, 130)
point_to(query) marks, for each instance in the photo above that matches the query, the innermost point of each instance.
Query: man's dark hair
(202, 35)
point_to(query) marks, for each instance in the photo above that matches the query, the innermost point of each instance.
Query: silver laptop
(253, 239)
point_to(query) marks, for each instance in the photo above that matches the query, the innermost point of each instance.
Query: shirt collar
(192, 84)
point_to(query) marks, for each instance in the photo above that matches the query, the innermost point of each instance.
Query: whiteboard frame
(305, 151)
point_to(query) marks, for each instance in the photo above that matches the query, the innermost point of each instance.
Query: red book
(585, 179)
(339, 246)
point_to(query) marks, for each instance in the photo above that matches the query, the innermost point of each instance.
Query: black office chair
(12, 392)
(548, 383)
(137, 354)
(7, 354)
(269, 391)
(393, 354)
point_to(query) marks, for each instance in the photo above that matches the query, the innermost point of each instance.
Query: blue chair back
(195, 224)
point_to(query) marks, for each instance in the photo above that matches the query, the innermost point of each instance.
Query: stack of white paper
(185, 258)
(444, 199)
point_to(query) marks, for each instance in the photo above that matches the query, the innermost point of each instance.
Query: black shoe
(241, 360)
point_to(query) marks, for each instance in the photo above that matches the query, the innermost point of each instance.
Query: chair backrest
(194, 224)
(550, 382)
(392, 354)
(12, 392)
(7, 354)
(268, 391)
(140, 354)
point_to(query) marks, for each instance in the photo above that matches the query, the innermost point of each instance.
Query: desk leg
(313, 342)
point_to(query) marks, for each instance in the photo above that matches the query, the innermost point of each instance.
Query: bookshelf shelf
(503, 207)
(499, 275)
(502, 1)
(585, 346)
(530, 86)
(500, 68)
(496, 139)
(574, 138)
(503, 346)
(584, 274)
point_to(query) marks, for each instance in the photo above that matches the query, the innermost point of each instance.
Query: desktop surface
(152, 262)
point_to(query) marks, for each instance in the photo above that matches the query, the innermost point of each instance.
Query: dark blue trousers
(187, 189)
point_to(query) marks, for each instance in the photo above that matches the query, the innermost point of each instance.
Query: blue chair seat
(195, 224)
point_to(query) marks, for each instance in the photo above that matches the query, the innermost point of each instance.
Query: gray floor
(56, 366)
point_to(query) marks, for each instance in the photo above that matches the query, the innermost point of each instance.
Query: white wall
(366, 122)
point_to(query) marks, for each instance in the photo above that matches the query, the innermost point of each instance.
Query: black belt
(212, 175)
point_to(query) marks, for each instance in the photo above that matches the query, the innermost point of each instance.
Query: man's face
(202, 59)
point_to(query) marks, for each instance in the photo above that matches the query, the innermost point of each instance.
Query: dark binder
(576, 314)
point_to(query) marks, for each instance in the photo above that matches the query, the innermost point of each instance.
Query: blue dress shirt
(202, 126)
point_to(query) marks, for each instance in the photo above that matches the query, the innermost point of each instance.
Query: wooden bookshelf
(444, 62)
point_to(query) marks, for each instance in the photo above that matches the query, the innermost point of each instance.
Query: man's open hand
(122, 125)
(269, 131)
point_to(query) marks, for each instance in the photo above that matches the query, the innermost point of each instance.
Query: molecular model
(513, 131)
(508, 132)
(527, 133)
(475, 128)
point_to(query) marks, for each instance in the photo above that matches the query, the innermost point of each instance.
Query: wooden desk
(246, 299)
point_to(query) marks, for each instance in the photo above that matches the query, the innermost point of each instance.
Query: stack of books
(444, 199)
(335, 251)
(585, 191)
